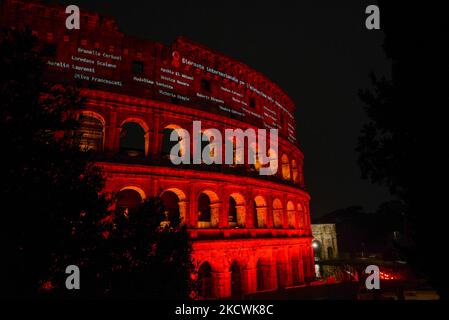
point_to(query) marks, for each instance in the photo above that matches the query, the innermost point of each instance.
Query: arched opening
(255, 216)
(291, 214)
(232, 212)
(132, 140)
(204, 210)
(260, 212)
(295, 171)
(205, 281)
(91, 132)
(285, 167)
(167, 144)
(330, 253)
(128, 200)
(262, 271)
(236, 210)
(171, 206)
(278, 214)
(301, 216)
(236, 280)
(175, 205)
(208, 209)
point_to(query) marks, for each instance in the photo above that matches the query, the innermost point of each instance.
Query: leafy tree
(54, 213)
(47, 182)
(144, 257)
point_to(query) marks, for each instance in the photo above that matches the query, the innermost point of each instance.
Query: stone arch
(137, 120)
(301, 215)
(175, 202)
(237, 210)
(205, 281)
(134, 138)
(263, 274)
(167, 145)
(278, 214)
(208, 207)
(236, 279)
(137, 189)
(291, 215)
(260, 212)
(295, 171)
(285, 166)
(129, 199)
(91, 131)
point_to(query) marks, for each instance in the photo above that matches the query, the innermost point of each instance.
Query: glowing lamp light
(314, 245)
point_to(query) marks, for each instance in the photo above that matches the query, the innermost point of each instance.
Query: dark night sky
(319, 51)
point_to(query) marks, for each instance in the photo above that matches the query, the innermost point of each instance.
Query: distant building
(325, 241)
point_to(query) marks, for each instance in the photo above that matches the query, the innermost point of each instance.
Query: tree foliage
(54, 213)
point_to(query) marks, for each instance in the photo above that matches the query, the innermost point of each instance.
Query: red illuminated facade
(250, 233)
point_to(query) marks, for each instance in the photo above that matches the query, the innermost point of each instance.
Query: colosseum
(250, 233)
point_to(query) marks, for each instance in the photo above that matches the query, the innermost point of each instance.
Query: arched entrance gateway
(175, 206)
(91, 131)
(278, 214)
(260, 212)
(205, 281)
(128, 200)
(291, 214)
(236, 211)
(133, 140)
(208, 209)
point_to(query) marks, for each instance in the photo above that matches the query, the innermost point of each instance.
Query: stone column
(297, 219)
(282, 274)
(184, 212)
(215, 220)
(269, 215)
(241, 215)
(156, 139)
(272, 274)
(250, 223)
(301, 269)
(285, 216)
(306, 264)
(147, 144)
(221, 284)
(249, 280)
(109, 133)
(118, 131)
(193, 218)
